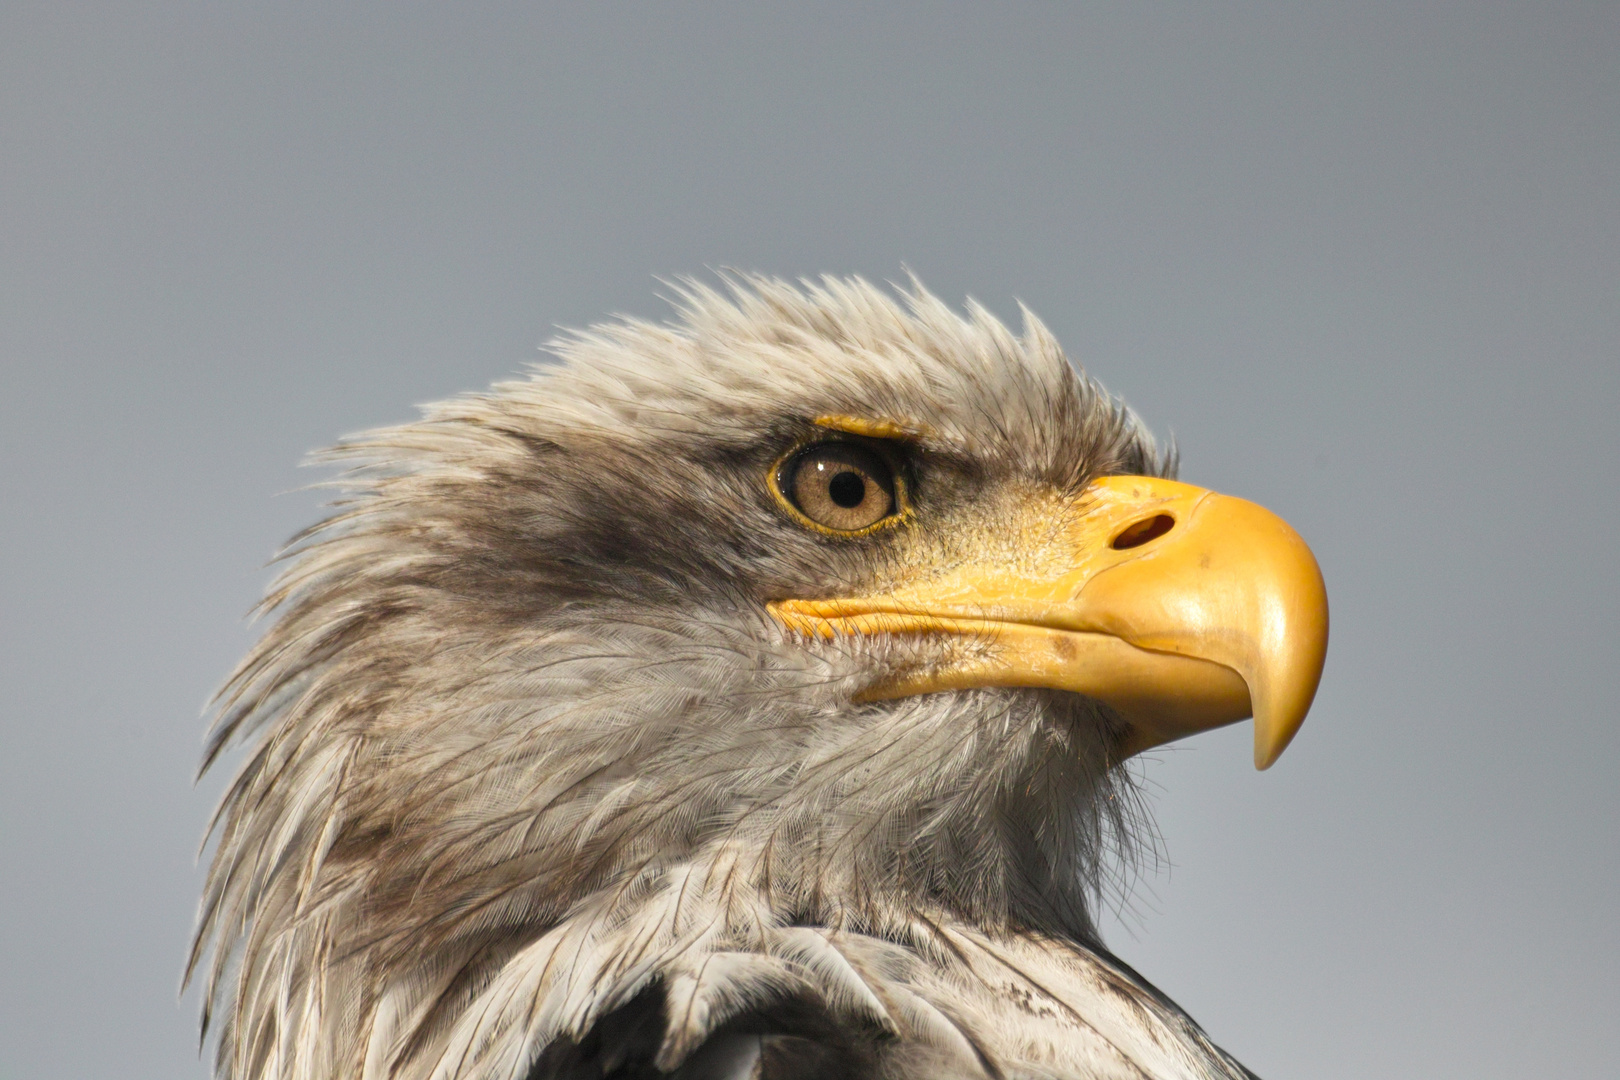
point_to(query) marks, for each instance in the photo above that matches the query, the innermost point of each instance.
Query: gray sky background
(1362, 260)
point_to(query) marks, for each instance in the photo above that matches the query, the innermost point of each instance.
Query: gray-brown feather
(527, 765)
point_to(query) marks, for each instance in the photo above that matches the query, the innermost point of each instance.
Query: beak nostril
(1140, 532)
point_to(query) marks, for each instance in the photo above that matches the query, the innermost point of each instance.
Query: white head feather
(523, 749)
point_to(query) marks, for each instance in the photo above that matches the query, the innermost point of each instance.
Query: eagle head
(764, 676)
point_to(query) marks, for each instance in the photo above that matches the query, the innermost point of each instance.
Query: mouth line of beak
(828, 618)
(1128, 678)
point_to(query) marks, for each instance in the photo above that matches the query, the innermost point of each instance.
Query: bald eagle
(744, 696)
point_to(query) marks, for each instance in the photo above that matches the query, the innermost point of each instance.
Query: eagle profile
(740, 697)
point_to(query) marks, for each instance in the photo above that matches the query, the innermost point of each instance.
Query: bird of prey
(747, 696)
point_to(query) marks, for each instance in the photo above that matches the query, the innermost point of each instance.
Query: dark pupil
(847, 489)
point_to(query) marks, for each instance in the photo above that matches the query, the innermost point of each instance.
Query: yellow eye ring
(843, 487)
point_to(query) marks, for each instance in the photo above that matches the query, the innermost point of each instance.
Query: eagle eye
(839, 486)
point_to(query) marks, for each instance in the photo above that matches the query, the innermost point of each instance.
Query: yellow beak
(1181, 609)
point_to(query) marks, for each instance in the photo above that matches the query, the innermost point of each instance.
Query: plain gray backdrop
(1362, 261)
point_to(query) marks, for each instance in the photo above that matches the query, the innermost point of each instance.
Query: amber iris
(840, 486)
